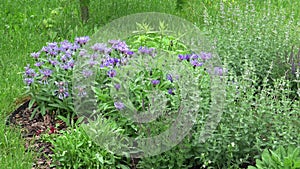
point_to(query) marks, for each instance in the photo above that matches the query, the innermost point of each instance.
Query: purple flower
(143, 50)
(53, 62)
(81, 91)
(205, 56)
(83, 52)
(219, 71)
(119, 105)
(64, 58)
(71, 63)
(100, 47)
(196, 63)
(114, 42)
(30, 72)
(194, 56)
(87, 73)
(53, 45)
(62, 91)
(38, 64)
(46, 72)
(94, 56)
(92, 63)
(53, 53)
(82, 40)
(111, 73)
(121, 47)
(170, 91)
(129, 52)
(181, 57)
(117, 86)
(36, 55)
(148, 51)
(155, 82)
(66, 45)
(28, 81)
(65, 66)
(169, 77)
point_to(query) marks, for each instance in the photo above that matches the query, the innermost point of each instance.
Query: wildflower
(181, 57)
(28, 81)
(30, 72)
(46, 72)
(121, 47)
(53, 46)
(83, 52)
(94, 56)
(219, 71)
(129, 52)
(53, 62)
(187, 57)
(111, 73)
(62, 91)
(81, 91)
(71, 63)
(64, 58)
(155, 82)
(65, 66)
(170, 91)
(38, 64)
(205, 56)
(82, 40)
(119, 105)
(66, 45)
(194, 56)
(100, 47)
(117, 86)
(36, 55)
(169, 77)
(196, 63)
(92, 63)
(87, 73)
(53, 53)
(145, 50)
(114, 42)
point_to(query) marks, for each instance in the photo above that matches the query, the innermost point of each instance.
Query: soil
(31, 131)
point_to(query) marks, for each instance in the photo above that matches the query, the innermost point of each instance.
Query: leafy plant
(74, 149)
(281, 158)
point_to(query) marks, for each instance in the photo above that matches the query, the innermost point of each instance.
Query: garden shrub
(280, 158)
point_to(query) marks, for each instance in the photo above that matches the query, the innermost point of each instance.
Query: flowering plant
(49, 81)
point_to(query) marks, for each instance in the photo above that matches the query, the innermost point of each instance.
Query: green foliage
(74, 149)
(281, 158)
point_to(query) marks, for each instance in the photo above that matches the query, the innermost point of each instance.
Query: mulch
(32, 129)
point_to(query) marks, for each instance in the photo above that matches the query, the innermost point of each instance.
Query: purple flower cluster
(29, 75)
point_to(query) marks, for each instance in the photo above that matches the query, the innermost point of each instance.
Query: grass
(26, 26)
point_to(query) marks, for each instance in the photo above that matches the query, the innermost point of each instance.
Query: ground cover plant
(254, 40)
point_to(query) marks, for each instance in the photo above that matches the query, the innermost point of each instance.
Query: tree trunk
(84, 9)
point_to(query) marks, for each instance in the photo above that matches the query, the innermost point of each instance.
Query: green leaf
(31, 102)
